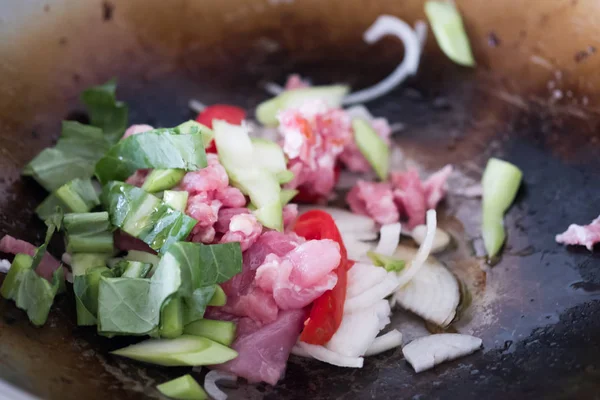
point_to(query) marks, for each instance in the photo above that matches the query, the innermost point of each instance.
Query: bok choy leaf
(144, 216)
(76, 196)
(105, 111)
(52, 168)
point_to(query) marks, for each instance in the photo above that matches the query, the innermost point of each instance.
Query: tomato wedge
(232, 114)
(327, 311)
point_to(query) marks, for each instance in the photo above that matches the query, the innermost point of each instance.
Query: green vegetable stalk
(500, 182)
(386, 262)
(171, 319)
(88, 233)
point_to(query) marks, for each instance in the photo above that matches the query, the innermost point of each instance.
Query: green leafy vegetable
(144, 216)
(76, 196)
(133, 269)
(192, 127)
(449, 31)
(176, 199)
(159, 148)
(52, 168)
(500, 182)
(162, 179)
(30, 291)
(84, 141)
(183, 388)
(105, 111)
(88, 233)
(86, 288)
(387, 262)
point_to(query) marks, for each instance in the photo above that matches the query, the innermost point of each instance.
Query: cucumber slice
(287, 195)
(183, 388)
(186, 350)
(219, 298)
(82, 262)
(176, 199)
(196, 127)
(140, 217)
(162, 179)
(375, 150)
(285, 176)
(171, 319)
(266, 112)
(237, 156)
(269, 155)
(219, 331)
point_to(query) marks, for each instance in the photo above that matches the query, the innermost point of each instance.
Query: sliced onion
(359, 111)
(389, 25)
(196, 105)
(357, 249)
(323, 354)
(433, 293)
(370, 297)
(421, 32)
(440, 241)
(300, 352)
(345, 220)
(356, 333)
(389, 238)
(4, 266)
(386, 342)
(383, 311)
(210, 383)
(362, 277)
(273, 89)
(415, 265)
(426, 352)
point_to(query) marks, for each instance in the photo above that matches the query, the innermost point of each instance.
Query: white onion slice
(440, 241)
(433, 294)
(426, 352)
(210, 384)
(386, 342)
(421, 32)
(4, 266)
(362, 277)
(415, 265)
(345, 220)
(389, 238)
(300, 352)
(371, 296)
(356, 249)
(359, 111)
(356, 333)
(328, 356)
(273, 88)
(196, 105)
(389, 25)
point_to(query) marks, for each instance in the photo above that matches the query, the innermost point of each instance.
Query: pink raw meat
(374, 200)
(225, 215)
(47, 266)
(436, 186)
(213, 177)
(410, 196)
(138, 178)
(290, 214)
(263, 352)
(295, 81)
(243, 228)
(135, 129)
(586, 235)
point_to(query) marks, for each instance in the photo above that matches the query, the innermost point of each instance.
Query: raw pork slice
(374, 200)
(47, 266)
(586, 235)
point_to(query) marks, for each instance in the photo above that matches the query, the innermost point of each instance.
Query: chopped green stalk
(86, 289)
(76, 196)
(82, 262)
(449, 31)
(186, 350)
(500, 182)
(287, 195)
(134, 269)
(144, 216)
(237, 156)
(152, 259)
(220, 331)
(389, 263)
(88, 233)
(162, 179)
(266, 112)
(183, 388)
(372, 147)
(176, 199)
(219, 298)
(171, 318)
(191, 127)
(20, 265)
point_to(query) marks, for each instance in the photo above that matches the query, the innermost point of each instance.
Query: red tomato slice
(327, 311)
(232, 114)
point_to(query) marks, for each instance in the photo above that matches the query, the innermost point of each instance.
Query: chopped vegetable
(426, 352)
(390, 264)
(142, 256)
(219, 298)
(372, 147)
(84, 141)
(287, 195)
(327, 311)
(262, 186)
(144, 216)
(500, 182)
(385, 342)
(162, 179)
(440, 241)
(323, 354)
(224, 112)
(52, 168)
(86, 285)
(76, 196)
(388, 239)
(176, 199)
(183, 388)
(417, 263)
(210, 384)
(133, 269)
(171, 318)
(219, 331)
(269, 155)
(372, 296)
(266, 112)
(159, 148)
(88, 233)
(389, 25)
(449, 31)
(193, 127)
(105, 111)
(186, 350)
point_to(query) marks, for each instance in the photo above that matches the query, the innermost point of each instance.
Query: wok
(533, 100)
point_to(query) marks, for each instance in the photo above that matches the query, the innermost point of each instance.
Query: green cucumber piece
(219, 331)
(190, 127)
(372, 147)
(162, 179)
(287, 195)
(186, 350)
(285, 176)
(183, 388)
(82, 262)
(269, 155)
(176, 199)
(266, 112)
(171, 319)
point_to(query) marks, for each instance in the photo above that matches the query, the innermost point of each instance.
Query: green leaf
(76, 196)
(144, 216)
(86, 288)
(52, 168)
(105, 111)
(159, 148)
(84, 141)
